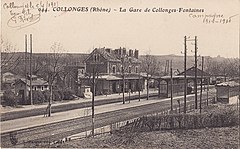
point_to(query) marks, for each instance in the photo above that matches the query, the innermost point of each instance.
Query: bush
(57, 95)
(38, 97)
(9, 98)
(68, 95)
(47, 95)
(224, 116)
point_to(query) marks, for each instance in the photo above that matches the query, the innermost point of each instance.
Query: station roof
(181, 77)
(191, 72)
(37, 82)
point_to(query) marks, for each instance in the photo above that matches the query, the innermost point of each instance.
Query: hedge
(222, 117)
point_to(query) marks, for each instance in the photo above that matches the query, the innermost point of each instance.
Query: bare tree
(150, 67)
(225, 67)
(53, 67)
(38, 64)
(9, 60)
(125, 64)
(232, 69)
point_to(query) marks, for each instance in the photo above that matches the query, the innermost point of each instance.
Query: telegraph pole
(139, 96)
(195, 81)
(25, 62)
(171, 73)
(93, 96)
(31, 100)
(51, 90)
(185, 78)
(123, 78)
(201, 86)
(123, 73)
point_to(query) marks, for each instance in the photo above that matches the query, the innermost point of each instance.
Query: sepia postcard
(120, 74)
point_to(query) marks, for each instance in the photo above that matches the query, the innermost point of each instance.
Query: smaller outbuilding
(226, 90)
(22, 86)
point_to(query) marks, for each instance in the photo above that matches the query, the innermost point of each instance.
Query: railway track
(55, 131)
(66, 107)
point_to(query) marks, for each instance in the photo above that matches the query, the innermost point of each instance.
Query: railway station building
(164, 85)
(111, 68)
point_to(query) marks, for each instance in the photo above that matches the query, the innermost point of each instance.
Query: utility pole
(201, 86)
(195, 80)
(129, 92)
(159, 88)
(31, 99)
(147, 85)
(139, 96)
(207, 88)
(171, 73)
(185, 78)
(93, 98)
(25, 62)
(123, 80)
(51, 89)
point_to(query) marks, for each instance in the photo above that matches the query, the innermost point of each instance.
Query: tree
(8, 58)
(38, 97)
(150, 67)
(38, 64)
(232, 69)
(125, 63)
(225, 67)
(9, 98)
(53, 67)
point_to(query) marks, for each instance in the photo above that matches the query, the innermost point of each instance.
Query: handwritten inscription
(23, 19)
(26, 14)
(213, 18)
(40, 6)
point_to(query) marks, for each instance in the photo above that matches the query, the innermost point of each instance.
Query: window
(129, 69)
(42, 88)
(121, 68)
(136, 68)
(114, 69)
(96, 57)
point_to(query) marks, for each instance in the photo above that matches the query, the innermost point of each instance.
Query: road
(55, 131)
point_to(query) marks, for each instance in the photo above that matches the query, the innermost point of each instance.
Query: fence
(163, 120)
(118, 125)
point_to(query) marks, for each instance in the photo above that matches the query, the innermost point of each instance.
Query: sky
(160, 33)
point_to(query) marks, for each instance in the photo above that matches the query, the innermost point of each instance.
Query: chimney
(130, 53)
(120, 51)
(116, 51)
(136, 54)
(124, 51)
(108, 50)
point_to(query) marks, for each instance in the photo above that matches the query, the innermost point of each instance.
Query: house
(22, 87)
(8, 80)
(110, 67)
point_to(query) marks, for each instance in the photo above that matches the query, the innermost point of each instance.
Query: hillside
(78, 58)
